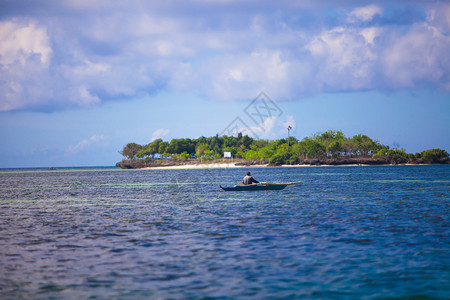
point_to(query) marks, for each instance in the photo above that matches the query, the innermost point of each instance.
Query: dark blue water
(345, 233)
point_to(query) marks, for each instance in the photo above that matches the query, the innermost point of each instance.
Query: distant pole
(289, 128)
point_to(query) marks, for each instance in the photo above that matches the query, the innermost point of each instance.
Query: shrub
(382, 152)
(434, 155)
(280, 158)
(397, 156)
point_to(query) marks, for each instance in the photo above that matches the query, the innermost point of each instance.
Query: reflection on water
(346, 232)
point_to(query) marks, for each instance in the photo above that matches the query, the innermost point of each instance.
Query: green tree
(143, 153)
(314, 149)
(182, 156)
(281, 156)
(245, 141)
(258, 144)
(153, 147)
(363, 145)
(163, 147)
(251, 155)
(299, 150)
(240, 154)
(130, 150)
(381, 153)
(330, 143)
(229, 141)
(346, 146)
(265, 152)
(335, 148)
(150, 149)
(434, 155)
(209, 154)
(178, 146)
(397, 156)
(200, 149)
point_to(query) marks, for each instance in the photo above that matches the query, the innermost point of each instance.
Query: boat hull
(264, 186)
(253, 188)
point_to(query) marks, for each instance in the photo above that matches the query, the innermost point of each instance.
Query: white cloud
(219, 51)
(244, 75)
(25, 56)
(439, 17)
(418, 57)
(370, 34)
(263, 130)
(84, 144)
(271, 128)
(346, 59)
(159, 133)
(364, 14)
(352, 59)
(84, 98)
(21, 40)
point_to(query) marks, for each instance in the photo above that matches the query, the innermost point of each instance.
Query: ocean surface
(377, 232)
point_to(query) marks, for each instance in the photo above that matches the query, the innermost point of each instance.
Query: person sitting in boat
(249, 179)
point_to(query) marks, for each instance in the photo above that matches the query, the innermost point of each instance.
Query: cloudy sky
(79, 79)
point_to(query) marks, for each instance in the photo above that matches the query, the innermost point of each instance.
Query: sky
(79, 79)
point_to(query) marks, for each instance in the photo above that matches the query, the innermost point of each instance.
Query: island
(329, 148)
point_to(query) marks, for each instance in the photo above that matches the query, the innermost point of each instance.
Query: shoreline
(202, 166)
(234, 166)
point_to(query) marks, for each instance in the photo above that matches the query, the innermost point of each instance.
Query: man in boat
(249, 179)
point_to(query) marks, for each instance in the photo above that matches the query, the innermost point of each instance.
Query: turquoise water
(345, 233)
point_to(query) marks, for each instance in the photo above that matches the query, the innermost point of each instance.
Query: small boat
(262, 186)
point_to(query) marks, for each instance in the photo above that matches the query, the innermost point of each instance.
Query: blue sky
(80, 79)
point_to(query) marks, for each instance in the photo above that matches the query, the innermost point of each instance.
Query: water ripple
(347, 232)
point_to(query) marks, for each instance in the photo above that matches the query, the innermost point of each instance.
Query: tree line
(328, 146)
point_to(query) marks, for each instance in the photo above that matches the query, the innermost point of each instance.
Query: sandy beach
(203, 166)
(234, 165)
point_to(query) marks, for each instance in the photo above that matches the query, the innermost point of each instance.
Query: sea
(359, 232)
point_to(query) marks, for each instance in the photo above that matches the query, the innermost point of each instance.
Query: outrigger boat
(262, 186)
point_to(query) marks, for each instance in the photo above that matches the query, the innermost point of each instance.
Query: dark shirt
(249, 180)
